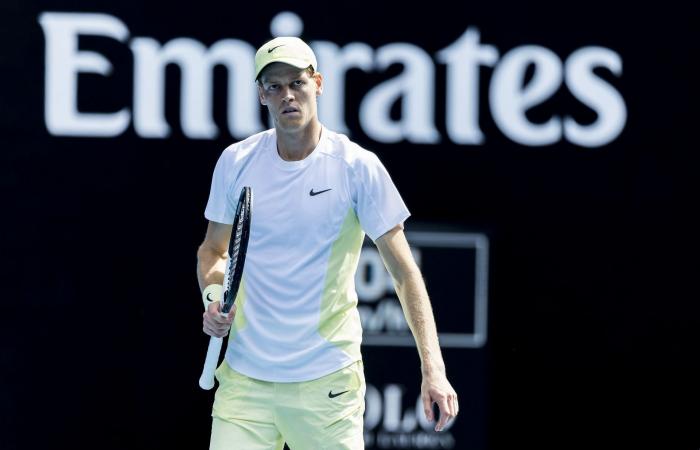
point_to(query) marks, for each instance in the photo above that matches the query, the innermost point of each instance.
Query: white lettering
(510, 100)
(373, 407)
(415, 86)
(334, 62)
(392, 407)
(463, 59)
(399, 427)
(63, 64)
(595, 93)
(196, 64)
(509, 97)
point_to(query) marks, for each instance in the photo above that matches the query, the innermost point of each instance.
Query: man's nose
(287, 95)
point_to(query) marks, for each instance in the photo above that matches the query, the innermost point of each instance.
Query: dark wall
(592, 293)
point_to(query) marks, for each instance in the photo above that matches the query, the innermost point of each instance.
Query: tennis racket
(236, 258)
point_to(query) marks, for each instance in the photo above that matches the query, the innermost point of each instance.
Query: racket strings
(241, 231)
(237, 243)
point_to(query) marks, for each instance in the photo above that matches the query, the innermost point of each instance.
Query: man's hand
(215, 323)
(436, 389)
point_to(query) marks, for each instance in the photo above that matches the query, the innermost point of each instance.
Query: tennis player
(293, 370)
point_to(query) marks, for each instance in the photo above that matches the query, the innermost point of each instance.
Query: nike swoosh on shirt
(312, 193)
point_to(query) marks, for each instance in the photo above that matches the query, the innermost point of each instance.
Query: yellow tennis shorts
(321, 414)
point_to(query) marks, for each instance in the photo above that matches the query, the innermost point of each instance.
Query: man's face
(290, 95)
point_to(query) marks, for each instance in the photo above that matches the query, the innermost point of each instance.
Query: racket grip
(206, 381)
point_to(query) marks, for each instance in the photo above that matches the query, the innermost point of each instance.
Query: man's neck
(298, 144)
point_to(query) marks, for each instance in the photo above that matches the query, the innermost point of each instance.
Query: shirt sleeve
(378, 204)
(219, 208)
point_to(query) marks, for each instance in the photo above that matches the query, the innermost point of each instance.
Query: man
(293, 369)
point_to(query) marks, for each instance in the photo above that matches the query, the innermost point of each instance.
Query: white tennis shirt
(296, 316)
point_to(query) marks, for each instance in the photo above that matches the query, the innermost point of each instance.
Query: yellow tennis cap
(288, 50)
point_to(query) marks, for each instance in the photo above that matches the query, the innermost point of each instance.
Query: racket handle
(206, 381)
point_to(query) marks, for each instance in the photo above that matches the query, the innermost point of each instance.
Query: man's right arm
(211, 264)
(212, 254)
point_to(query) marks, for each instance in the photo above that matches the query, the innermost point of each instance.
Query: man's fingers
(215, 323)
(448, 410)
(427, 407)
(208, 329)
(214, 331)
(213, 307)
(214, 311)
(444, 414)
(221, 319)
(451, 403)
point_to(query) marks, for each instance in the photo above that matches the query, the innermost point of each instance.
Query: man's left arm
(413, 295)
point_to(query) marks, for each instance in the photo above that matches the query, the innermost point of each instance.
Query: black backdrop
(593, 305)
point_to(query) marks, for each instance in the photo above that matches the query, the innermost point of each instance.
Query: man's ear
(319, 83)
(261, 95)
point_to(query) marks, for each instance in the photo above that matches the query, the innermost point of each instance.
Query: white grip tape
(206, 381)
(212, 293)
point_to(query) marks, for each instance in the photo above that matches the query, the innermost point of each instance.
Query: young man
(293, 369)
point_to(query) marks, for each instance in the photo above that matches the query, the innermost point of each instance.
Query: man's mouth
(289, 110)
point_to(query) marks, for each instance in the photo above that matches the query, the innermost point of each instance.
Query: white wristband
(212, 293)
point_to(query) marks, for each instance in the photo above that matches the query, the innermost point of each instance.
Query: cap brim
(298, 63)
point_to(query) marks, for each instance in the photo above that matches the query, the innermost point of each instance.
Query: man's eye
(298, 83)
